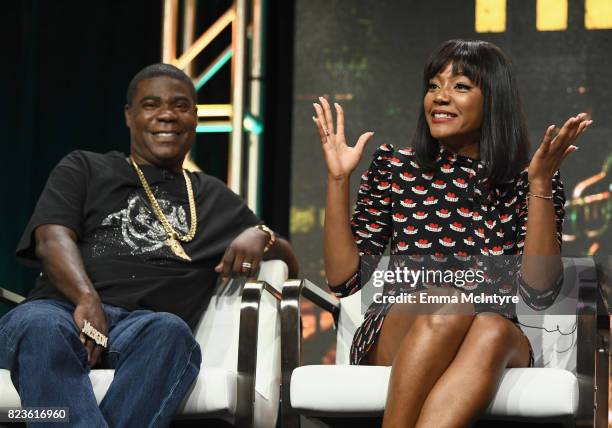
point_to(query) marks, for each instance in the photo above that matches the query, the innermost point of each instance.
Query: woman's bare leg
(419, 347)
(492, 343)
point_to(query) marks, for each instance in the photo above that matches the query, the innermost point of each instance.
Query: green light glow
(214, 128)
(252, 125)
(213, 70)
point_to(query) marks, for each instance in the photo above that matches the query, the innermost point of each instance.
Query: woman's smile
(453, 109)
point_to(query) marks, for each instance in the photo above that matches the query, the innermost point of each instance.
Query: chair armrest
(291, 338)
(593, 329)
(10, 298)
(322, 299)
(602, 344)
(252, 294)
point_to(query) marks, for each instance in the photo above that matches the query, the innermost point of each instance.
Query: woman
(467, 187)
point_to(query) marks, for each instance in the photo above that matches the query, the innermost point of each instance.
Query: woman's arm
(341, 254)
(541, 261)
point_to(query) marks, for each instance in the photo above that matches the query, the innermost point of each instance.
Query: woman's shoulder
(388, 154)
(385, 150)
(388, 157)
(406, 152)
(390, 162)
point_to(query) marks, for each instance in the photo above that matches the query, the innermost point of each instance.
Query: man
(130, 249)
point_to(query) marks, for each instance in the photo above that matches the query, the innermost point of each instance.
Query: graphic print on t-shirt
(136, 230)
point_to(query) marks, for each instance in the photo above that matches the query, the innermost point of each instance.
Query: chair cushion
(362, 390)
(340, 389)
(213, 392)
(100, 381)
(8, 393)
(536, 392)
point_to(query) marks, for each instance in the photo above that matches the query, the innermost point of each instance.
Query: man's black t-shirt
(100, 197)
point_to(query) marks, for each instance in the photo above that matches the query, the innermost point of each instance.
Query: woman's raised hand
(554, 149)
(341, 160)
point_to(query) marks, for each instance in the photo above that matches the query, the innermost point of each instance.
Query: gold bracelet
(271, 235)
(539, 196)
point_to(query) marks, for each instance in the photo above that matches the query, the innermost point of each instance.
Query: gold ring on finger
(90, 331)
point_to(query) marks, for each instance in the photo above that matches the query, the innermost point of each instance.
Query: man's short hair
(157, 70)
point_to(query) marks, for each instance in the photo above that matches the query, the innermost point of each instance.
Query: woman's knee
(444, 313)
(496, 338)
(438, 320)
(494, 330)
(443, 326)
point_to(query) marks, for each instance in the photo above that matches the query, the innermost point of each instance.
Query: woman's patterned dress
(447, 212)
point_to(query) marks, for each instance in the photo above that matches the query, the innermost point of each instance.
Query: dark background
(66, 67)
(67, 64)
(368, 55)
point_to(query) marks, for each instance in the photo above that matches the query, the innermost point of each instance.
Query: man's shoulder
(84, 159)
(210, 182)
(85, 155)
(215, 190)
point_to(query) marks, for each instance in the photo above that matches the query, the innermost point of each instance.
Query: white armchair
(568, 384)
(239, 334)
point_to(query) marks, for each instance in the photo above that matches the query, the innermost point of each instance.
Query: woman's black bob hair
(504, 142)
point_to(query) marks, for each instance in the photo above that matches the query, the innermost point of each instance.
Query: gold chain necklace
(173, 236)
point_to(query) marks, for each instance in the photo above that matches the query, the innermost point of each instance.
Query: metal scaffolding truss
(242, 117)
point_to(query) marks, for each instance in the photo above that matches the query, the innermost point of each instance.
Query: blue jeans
(155, 357)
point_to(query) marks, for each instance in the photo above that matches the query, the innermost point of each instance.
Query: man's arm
(56, 247)
(282, 250)
(61, 259)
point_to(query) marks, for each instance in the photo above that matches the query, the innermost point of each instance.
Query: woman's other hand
(554, 149)
(341, 160)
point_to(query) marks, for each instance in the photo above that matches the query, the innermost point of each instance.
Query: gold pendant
(177, 248)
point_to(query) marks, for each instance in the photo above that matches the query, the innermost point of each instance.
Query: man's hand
(90, 309)
(247, 248)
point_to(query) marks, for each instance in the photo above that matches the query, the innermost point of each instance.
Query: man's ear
(127, 115)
